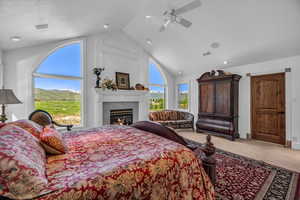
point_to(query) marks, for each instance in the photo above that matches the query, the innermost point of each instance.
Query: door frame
(287, 143)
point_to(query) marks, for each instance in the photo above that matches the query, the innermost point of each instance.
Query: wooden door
(268, 107)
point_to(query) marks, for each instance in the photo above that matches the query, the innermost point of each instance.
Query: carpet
(241, 178)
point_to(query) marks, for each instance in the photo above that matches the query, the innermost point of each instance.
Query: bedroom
(247, 38)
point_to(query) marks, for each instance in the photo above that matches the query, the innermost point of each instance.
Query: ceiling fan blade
(184, 22)
(165, 25)
(191, 6)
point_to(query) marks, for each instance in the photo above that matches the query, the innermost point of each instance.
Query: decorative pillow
(22, 164)
(30, 126)
(52, 141)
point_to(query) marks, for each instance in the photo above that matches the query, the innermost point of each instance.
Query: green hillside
(63, 105)
(57, 95)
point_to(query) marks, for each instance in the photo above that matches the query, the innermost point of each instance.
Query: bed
(121, 162)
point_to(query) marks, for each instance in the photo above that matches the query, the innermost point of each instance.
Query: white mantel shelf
(140, 96)
(121, 92)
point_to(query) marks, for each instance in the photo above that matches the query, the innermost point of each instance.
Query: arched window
(157, 86)
(58, 85)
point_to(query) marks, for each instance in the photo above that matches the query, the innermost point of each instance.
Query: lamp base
(3, 117)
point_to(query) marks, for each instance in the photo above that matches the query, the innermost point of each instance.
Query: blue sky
(183, 87)
(155, 77)
(66, 61)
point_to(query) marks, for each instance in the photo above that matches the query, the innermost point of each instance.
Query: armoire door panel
(223, 89)
(207, 98)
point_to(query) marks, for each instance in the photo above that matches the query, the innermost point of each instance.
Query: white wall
(114, 50)
(1, 69)
(274, 66)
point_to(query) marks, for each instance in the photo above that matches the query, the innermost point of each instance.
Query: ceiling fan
(172, 16)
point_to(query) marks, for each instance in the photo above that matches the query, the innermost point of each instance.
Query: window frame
(164, 86)
(189, 95)
(81, 78)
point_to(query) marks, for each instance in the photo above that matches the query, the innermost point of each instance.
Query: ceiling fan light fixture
(15, 38)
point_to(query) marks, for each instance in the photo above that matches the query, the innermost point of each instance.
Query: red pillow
(52, 141)
(30, 126)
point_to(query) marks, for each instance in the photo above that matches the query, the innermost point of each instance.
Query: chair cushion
(52, 141)
(29, 126)
(22, 164)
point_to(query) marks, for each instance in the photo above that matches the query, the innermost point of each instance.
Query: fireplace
(107, 100)
(121, 116)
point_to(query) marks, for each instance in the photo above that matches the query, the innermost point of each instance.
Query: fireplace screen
(121, 117)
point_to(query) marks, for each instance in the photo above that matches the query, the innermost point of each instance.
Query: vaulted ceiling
(66, 19)
(248, 31)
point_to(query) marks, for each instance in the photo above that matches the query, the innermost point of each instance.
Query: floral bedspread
(120, 162)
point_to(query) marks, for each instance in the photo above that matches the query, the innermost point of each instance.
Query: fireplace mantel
(141, 97)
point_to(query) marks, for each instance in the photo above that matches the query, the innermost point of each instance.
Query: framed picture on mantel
(123, 81)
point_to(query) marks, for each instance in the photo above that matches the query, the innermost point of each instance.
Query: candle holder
(97, 72)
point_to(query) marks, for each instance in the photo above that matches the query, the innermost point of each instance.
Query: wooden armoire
(218, 104)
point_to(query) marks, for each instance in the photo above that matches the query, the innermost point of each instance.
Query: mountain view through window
(57, 83)
(157, 88)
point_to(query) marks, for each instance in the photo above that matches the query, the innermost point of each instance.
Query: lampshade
(8, 97)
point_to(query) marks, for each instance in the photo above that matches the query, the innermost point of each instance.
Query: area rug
(241, 178)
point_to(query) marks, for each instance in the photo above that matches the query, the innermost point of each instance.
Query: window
(157, 88)
(57, 85)
(183, 96)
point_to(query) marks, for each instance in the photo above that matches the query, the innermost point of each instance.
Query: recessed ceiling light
(149, 41)
(106, 26)
(225, 62)
(15, 38)
(148, 16)
(215, 45)
(180, 73)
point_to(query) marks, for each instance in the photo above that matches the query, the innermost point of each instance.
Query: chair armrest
(190, 116)
(69, 127)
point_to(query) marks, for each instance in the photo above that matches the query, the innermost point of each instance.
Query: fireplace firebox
(121, 116)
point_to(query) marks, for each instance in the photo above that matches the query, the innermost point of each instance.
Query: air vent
(41, 26)
(206, 53)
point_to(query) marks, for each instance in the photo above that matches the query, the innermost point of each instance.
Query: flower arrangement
(109, 84)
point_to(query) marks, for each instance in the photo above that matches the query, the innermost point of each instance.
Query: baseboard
(288, 144)
(296, 146)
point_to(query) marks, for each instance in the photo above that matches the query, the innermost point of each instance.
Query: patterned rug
(241, 178)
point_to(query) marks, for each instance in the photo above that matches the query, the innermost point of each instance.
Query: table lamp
(7, 97)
